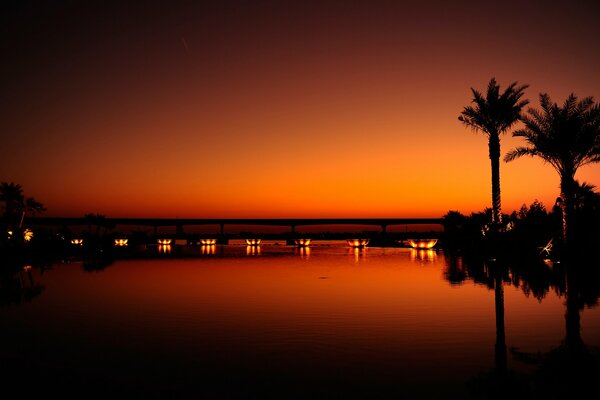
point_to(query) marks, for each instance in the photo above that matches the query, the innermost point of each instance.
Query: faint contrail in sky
(185, 45)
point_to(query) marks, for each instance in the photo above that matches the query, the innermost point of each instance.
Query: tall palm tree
(567, 138)
(494, 114)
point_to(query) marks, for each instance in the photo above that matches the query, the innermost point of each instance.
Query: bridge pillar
(222, 229)
(179, 229)
(384, 228)
(293, 229)
(155, 230)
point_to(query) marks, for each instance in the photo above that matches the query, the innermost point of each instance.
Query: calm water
(281, 322)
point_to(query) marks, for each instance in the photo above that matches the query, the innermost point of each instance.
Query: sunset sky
(278, 108)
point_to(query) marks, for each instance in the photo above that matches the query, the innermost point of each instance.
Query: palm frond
(520, 152)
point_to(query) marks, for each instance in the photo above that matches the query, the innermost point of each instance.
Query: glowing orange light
(302, 242)
(422, 254)
(121, 242)
(359, 253)
(304, 252)
(27, 268)
(208, 242)
(357, 242)
(253, 250)
(164, 248)
(165, 241)
(27, 235)
(252, 242)
(422, 243)
(77, 242)
(207, 249)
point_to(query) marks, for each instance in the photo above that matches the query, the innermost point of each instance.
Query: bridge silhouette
(180, 223)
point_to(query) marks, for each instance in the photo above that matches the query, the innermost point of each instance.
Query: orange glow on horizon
(356, 120)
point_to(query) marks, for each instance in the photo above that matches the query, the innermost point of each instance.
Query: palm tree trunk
(22, 219)
(567, 185)
(494, 145)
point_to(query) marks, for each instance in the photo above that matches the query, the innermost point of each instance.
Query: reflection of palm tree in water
(500, 347)
(573, 341)
(571, 369)
(18, 287)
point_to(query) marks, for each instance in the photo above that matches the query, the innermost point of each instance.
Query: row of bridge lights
(356, 243)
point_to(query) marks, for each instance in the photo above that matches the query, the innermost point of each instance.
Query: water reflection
(253, 250)
(454, 271)
(359, 253)
(569, 370)
(164, 249)
(423, 256)
(381, 324)
(208, 249)
(18, 286)
(303, 251)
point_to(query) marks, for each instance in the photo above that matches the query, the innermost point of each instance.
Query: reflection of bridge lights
(302, 242)
(77, 242)
(121, 242)
(253, 250)
(208, 242)
(164, 242)
(303, 251)
(357, 242)
(208, 249)
(252, 242)
(359, 253)
(164, 248)
(426, 255)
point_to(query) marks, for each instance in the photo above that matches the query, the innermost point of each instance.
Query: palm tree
(16, 206)
(30, 206)
(12, 196)
(567, 138)
(494, 115)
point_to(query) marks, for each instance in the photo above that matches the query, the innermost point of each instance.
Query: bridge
(180, 223)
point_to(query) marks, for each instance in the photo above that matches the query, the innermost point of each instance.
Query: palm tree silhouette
(16, 206)
(494, 115)
(12, 196)
(30, 206)
(567, 138)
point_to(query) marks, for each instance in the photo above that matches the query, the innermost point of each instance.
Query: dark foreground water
(283, 322)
